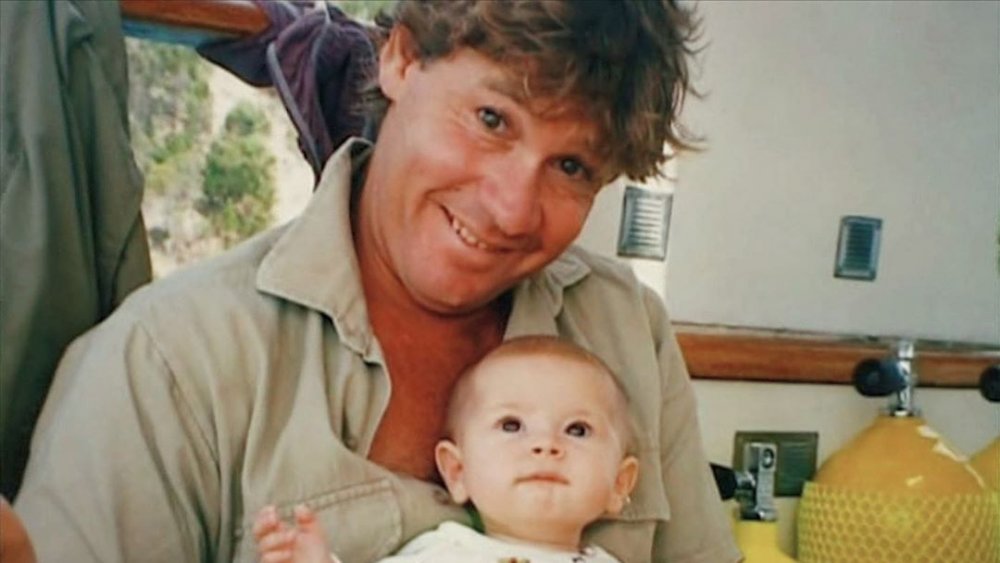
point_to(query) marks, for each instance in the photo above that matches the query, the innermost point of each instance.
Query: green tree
(363, 9)
(238, 190)
(246, 120)
(170, 113)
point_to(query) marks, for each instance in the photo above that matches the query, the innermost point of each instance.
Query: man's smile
(467, 235)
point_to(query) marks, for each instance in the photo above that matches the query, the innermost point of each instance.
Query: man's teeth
(466, 236)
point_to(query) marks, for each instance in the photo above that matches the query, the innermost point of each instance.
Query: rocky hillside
(219, 157)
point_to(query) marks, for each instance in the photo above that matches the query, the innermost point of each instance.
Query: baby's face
(541, 449)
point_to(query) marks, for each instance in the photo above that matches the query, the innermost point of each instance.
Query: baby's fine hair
(548, 347)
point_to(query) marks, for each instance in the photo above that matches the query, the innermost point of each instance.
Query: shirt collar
(539, 299)
(313, 264)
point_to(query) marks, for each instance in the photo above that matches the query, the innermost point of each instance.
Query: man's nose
(512, 195)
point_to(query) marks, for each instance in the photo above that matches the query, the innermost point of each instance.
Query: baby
(537, 441)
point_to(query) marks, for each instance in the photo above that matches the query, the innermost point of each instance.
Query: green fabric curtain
(72, 241)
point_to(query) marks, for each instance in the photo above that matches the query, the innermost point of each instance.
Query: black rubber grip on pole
(878, 378)
(989, 383)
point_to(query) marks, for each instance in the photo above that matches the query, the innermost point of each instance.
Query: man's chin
(457, 303)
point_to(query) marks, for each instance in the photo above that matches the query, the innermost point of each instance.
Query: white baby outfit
(455, 543)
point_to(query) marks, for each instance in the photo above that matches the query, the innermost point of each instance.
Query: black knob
(989, 383)
(878, 378)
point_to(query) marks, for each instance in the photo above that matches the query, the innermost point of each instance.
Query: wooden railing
(762, 355)
(711, 352)
(232, 17)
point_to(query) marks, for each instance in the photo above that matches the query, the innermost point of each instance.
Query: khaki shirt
(255, 378)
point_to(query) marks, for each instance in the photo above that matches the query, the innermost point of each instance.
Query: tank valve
(891, 376)
(753, 486)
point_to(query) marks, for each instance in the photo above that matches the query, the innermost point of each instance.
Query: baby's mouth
(544, 477)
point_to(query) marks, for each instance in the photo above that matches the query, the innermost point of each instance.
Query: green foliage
(238, 187)
(245, 120)
(169, 112)
(363, 9)
(174, 174)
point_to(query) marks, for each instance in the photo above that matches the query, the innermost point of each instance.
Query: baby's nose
(548, 448)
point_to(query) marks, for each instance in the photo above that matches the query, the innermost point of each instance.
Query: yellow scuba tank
(897, 491)
(987, 461)
(987, 464)
(758, 540)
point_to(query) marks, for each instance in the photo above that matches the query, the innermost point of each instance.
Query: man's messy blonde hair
(623, 62)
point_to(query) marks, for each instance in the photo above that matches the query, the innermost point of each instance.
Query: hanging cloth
(72, 240)
(317, 59)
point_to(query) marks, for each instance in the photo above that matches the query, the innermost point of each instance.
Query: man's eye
(490, 118)
(510, 425)
(573, 168)
(578, 429)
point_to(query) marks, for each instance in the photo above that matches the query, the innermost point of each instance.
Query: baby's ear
(449, 461)
(628, 475)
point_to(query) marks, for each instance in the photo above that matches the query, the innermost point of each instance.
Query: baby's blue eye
(578, 429)
(490, 118)
(510, 425)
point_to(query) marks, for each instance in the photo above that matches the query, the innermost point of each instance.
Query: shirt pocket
(362, 522)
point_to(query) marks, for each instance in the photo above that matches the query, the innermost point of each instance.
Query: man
(312, 364)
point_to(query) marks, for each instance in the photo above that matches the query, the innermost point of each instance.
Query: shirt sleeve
(120, 470)
(698, 530)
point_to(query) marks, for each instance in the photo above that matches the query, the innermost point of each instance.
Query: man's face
(539, 448)
(470, 189)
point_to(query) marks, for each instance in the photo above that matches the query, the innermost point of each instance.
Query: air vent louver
(857, 248)
(644, 222)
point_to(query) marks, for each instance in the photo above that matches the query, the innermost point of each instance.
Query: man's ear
(399, 54)
(449, 462)
(628, 474)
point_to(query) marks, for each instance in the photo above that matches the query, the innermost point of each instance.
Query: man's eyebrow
(508, 87)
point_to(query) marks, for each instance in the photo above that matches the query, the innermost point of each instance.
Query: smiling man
(313, 363)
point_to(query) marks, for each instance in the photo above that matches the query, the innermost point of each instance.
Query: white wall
(817, 110)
